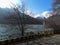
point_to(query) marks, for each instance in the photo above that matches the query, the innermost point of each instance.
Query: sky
(38, 7)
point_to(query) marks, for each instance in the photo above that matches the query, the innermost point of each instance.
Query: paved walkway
(53, 40)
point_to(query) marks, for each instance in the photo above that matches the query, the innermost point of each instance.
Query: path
(53, 40)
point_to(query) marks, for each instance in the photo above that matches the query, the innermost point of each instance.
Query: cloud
(9, 3)
(37, 15)
(30, 13)
(46, 14)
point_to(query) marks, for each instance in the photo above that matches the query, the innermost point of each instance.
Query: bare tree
(18, 15)
(21, 19)
(56, 7)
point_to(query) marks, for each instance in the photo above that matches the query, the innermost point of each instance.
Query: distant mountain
(8, 17)
(40, 19)
(26, 20)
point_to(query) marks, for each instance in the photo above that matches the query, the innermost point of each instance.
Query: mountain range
(7, 16)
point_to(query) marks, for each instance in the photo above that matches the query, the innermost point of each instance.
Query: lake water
(9, 31)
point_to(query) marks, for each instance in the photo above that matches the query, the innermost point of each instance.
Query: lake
(10, 31)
